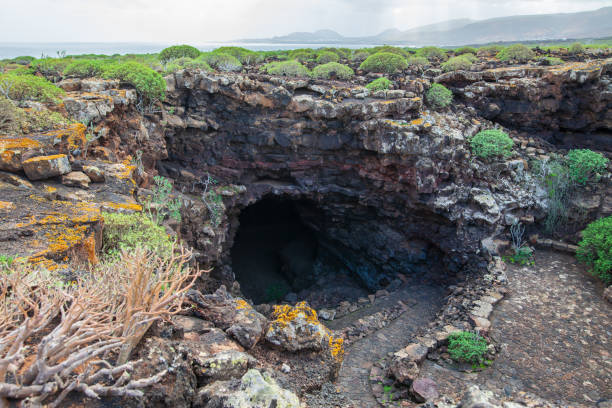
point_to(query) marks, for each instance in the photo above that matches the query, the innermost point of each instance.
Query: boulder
(94, 173)
(44, 167)
(476, 398)
(76, 179)
(254, 389)
(224, 366)
(296, 328)
(405, 363)
(424, 389)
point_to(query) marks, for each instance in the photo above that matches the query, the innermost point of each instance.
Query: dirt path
(555, 333)
(423, 302)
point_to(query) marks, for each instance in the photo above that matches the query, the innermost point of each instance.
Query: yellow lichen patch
(18, 143)
(6, 205)
(336, 347)
(242, 304)
(123, 206)
(284, 314)
(73, 136)
(50, 189)
(40, 262)
(417, 122)
(43, 158)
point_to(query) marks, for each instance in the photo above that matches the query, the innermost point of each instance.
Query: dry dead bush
(56, 338)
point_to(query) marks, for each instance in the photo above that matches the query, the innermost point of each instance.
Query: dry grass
(56, 338)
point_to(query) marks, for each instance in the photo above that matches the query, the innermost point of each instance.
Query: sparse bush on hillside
(490, 50)
(385, 62)
(466, 50)
(393, 50)
(303, 54)
(595, 249)
(85, 68)
(417, 62)
(150, 85)
(28, 87)
(327, 56)
(245, 56)
(341, 52)
(178, 51)
(222, 62)
(187, 63)
(517, 52)
(585, 165)
(380, 84)
(331, 70)
(290, 68)
(552, 61)
(360, 55)
(50, 67)
(457, 63)
(439, 96)
(433, 54)
(492, 143)
(576, 48)
(130, 231)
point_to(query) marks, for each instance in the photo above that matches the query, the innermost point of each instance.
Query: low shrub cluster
(222, 62)
(125, 232)
(28, 87)
(245, 56)
(85, 68)
(385, 62)
(433, 54)
(595, 248)
(178, 51)
(576, 48)
(325, 57)
(552, 61)
(303, 55)
(187, 63)
(492, 143)
(585, 165)
(439, 96)
(461, 62)
(380, 84)
(389, 48)
(290, 68)
(149, 85)
(417, 62)
(333, 70)
(517, 52)
(50, 67)
(466, 50)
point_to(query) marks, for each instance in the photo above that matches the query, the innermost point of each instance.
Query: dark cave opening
(277, 253)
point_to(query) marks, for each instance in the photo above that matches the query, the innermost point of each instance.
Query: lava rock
(94, 173)
(45, 167)
(225, 366)
(296, 328)
(424, 389)
(476, 398)
(76, 179)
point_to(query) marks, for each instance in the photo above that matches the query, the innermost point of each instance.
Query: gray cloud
(199, 21)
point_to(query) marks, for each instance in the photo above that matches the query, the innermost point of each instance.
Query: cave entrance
(279, 255)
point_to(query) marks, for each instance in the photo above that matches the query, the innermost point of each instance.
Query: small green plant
(325, 57)
(290, 68)
(129, 231)
(84, 68)
(554, 175)
(28, 87)
(246, 57)
(576, 48)
(417, 62)
(433, 54)
(150, 85)
(490, 50)
(178, 51)
(466, 50)
(461, 62)
(595, 248)
(379, 84)
(50, 67)
(439, 96)
(360, 55)
(6, 261)
(517, 52)
(161, 204)
(585, 165)
(492, 143)
(212, 199)
(467, 347)
(389, 48)
(552, 61)
(385, 62)
(333, 69)
(522, 254)
(187, 63)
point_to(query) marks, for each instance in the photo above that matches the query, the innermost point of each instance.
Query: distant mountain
(587, 24)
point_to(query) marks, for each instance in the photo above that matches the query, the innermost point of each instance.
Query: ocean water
(12, 50)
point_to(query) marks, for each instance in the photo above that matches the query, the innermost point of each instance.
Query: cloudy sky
(200, 21)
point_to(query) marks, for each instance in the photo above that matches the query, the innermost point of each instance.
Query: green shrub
(466, 50)
(418, 62)
(23, 60)
(29, 87)
(393, 50)
(222, 62)
(490, 50)
(554, 175)
(585, 165)
(331, 69)
(360, 55)
(467, 347)
(492, 143)
(439, 96)
(178, 51)
(327, 56)
(6, 261)
(576, 48)
(552, 61)
(595, 248)
(149, 84)
(40, 121)
(85, 68)
(517, 52)
(129, 231)
(433, 54)
(384, 62)
(303, 54)
(457, 63)
(245, 56)
(50, 67)
(290, 68)
(380, 84)
(187, 63)
(340, 52)
(522, 256)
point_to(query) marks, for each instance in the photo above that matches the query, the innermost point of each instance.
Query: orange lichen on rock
(72, 136)
(417, 122)
(284, 314)
(122, 206)
(242, 304)
(6, 205)
(18, 143)
(336, 347)
(42, 158)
